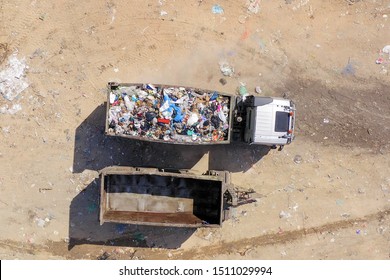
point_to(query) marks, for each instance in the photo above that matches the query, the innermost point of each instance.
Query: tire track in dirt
(272, 239)
(239, 246)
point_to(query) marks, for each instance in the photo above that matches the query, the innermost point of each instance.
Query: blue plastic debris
(217, 9)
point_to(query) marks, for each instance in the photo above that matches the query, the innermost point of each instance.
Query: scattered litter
(170, 255)
(217, 9)
(381, 229)
(12, 78)
(298, 159)
(242, 89)
(285, 215)
(345, 215)
(358, 231)
(386, 49)
(42, 222)
(163, 13)
(223, 81)
(5, 129)
(258, 90)
(172, 114)
(116, 70)
(332, 240)
(253, 6)
(326, 120)
(226, 69)
(10, 111)
(379, 60)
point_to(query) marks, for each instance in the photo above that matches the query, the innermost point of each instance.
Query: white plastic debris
(386, 49)
(285, 215)
(253, 6)
(192, 119)
(12, 78)
(226, 69)
(41, 222)
(10, 111)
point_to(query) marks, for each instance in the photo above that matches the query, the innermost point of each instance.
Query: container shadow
(94, 150)
(84, 227)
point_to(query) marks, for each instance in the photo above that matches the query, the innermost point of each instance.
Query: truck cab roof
(270, 120)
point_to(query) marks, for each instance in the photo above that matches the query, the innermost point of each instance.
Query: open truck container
(186, 115)
(148, 196)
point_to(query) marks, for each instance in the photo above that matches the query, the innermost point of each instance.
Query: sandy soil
(334, 203)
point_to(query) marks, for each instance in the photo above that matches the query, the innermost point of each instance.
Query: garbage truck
(176, 198)
(192, 116)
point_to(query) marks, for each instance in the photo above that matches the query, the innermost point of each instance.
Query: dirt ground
(325, 196)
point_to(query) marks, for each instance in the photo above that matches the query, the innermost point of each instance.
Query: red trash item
(163, 121)
(379, 60)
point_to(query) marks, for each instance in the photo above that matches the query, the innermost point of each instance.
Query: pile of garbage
(171, 114)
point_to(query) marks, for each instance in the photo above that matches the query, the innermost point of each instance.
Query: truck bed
(152, 197)
(170, 114)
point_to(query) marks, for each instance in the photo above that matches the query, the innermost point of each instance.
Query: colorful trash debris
(172, 114)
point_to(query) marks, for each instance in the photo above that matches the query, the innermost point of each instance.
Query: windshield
(281, 122)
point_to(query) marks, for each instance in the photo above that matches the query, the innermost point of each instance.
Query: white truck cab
(269, 121)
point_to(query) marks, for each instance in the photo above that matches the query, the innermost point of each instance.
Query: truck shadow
(84, 227)
(94, 151)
